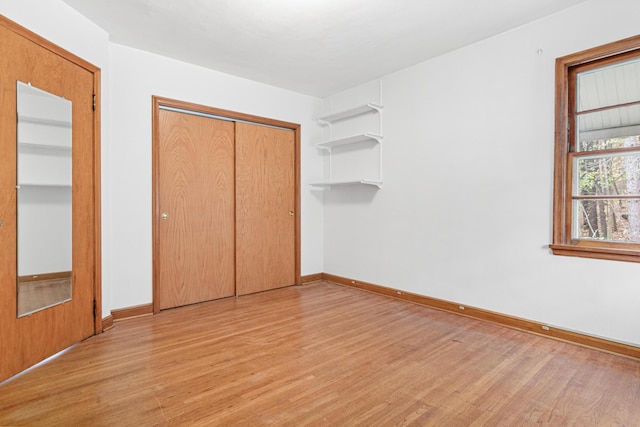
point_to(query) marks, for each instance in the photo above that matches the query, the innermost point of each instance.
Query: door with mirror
(49, 257)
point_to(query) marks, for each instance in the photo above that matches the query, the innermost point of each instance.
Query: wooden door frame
(97, 223)
(159, 102)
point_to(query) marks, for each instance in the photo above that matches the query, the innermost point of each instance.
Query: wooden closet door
(265, 208)
(27, 340)
(195, 222)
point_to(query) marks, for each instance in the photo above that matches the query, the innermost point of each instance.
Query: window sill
(628, 255)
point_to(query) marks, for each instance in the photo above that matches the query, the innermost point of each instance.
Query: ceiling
(316, 47)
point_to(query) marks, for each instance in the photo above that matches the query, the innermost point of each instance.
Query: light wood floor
(322, 355)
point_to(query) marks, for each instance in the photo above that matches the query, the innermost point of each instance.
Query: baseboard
(107, 323)
(493, 317)
(311, 278)
(129, 312)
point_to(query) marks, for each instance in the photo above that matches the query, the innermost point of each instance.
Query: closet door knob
(292, 213)
(164, 215)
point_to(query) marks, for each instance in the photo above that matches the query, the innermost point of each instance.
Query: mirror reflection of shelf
(328, 185)
(41, 184)
(44, 146)
(44, 164)
(46, 122)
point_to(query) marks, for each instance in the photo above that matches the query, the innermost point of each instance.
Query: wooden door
(195, 217)
(27, 340)
(265, 208)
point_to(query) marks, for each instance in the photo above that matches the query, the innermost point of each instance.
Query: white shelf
(365, 137)
(328, 185)
(346, 158)
(352, 112)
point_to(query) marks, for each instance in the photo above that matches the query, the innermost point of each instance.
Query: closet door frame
(159, 102)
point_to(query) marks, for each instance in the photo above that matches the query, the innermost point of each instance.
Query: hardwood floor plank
(322, 354)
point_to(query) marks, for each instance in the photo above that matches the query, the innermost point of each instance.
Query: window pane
(614, 125)
(608, 86)
(609, 175)
(607, 220)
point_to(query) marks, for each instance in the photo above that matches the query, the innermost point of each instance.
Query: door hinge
(94, 103)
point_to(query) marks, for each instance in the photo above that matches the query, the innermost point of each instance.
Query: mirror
(44, 199)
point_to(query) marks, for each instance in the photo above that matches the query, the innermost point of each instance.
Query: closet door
(31, 335)
(195, 221)
(265, 208)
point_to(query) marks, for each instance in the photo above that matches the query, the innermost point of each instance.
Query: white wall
(136, 76)
(466, 208)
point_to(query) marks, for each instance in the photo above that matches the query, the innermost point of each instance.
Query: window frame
(566, 70)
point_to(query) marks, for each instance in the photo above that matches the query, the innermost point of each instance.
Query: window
(597, 153)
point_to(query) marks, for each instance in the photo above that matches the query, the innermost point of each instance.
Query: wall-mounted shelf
(352, 112)
(351, 127)
(365, 137)
(328, 185)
